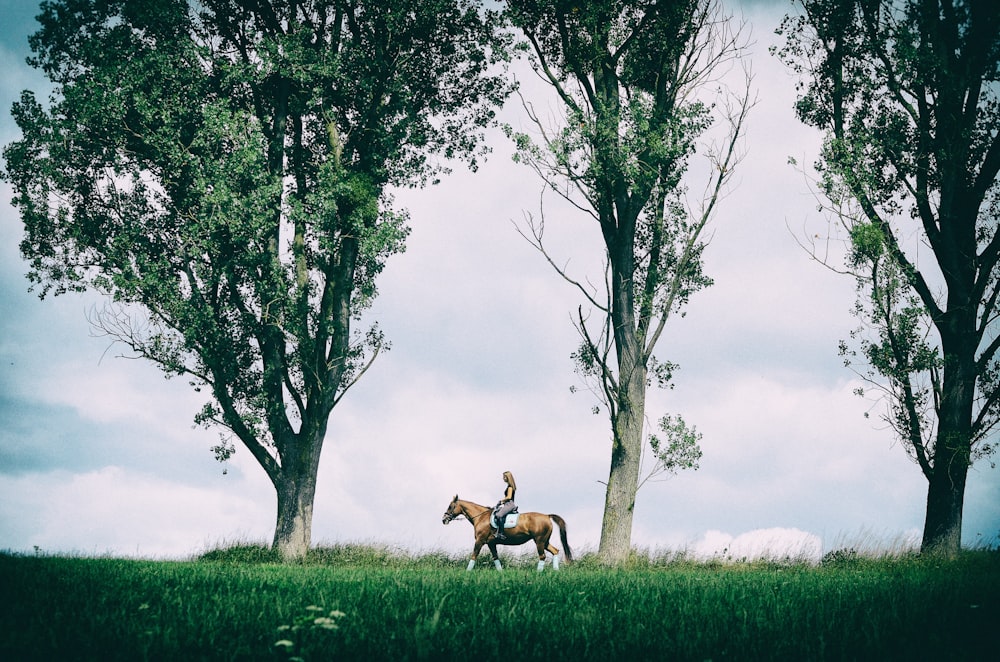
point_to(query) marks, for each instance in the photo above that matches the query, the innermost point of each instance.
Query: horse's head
(454, 510)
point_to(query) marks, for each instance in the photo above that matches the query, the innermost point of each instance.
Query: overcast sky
(98, 454)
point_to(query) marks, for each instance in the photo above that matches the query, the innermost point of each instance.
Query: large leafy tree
(908, 93)
(637, 82)
(220, 170)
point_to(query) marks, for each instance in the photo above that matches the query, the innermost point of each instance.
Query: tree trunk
(953, 448)
(293, 530)
(629, 401)
(295, 485)
(945, 500)
(623, 478)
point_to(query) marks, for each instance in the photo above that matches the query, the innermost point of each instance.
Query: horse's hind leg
(551, 549)
(555, 557)
(542, 544)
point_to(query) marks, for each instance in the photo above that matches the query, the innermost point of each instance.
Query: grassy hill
(354, 603)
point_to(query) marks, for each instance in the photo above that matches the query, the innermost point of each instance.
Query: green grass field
(356, 603)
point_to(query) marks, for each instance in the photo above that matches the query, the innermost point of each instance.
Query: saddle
(509, 521)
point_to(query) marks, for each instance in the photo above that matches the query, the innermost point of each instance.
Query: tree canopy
(632, 79)
(220, 169)
(908, 92)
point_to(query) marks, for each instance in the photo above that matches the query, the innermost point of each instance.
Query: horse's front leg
(496, 557)
(475, 554)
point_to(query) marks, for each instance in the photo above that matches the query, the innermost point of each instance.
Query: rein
(465, 511)
(473, 519)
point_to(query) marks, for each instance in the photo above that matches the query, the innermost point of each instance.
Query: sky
(99, 454)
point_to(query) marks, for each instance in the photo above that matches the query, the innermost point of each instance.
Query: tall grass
(355, 602)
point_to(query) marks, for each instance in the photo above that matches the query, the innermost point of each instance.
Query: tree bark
(945, 500)
(295, 485)
(619, 502)
(293, 528)
(626, 455)
(953, 447)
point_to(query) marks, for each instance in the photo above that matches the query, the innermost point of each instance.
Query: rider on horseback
(506, 504)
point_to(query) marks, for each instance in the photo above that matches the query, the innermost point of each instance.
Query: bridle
(449, 517)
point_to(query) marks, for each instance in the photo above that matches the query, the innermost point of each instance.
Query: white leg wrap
(472, 564)
(496, 564)
(541, 566)
(555, 561)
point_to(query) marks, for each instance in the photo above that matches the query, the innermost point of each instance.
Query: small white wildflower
(325, 623)
(283, 643)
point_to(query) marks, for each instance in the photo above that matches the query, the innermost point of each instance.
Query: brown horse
(530, 526)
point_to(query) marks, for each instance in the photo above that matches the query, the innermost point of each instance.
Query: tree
(220, 170)
(907, 93)
(628, 76)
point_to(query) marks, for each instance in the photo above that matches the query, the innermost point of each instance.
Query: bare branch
(537, 231)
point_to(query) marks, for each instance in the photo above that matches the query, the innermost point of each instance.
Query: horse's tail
(562, 534)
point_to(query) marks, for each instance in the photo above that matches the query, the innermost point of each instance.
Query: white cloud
(119, 512)
(115, 390)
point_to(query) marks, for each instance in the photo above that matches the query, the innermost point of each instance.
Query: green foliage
(899, 358)
(632, 81)
(679, 449)
(623, 134)
(158, 176)
(867, 244)
(115, 609)
(220, 170)
(906, 93)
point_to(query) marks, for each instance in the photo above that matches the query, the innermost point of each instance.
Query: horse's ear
(455, 499)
